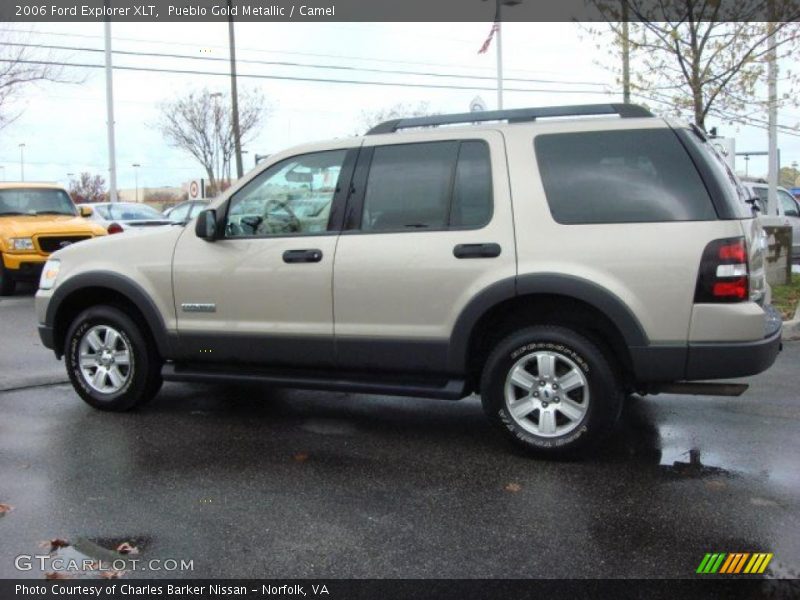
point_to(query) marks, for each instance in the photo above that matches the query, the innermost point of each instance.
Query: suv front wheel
(550, 390)
(109, 360)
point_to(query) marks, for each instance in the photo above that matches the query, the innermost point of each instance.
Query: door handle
(477, 251)
(302, 256)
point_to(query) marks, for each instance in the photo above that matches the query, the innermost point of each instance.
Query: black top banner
(396, 10)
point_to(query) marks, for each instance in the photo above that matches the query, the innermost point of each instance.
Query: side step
(692, 388)
(390, 385)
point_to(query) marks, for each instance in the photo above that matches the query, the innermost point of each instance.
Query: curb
(32, 381)
(791, 328)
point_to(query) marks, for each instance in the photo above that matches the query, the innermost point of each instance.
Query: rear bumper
(709, 360)
(720, 361)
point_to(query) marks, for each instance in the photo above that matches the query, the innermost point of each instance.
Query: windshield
(34, 201)
(128, 211)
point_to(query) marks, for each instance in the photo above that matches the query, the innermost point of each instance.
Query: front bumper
(24, 267)
(47, 336)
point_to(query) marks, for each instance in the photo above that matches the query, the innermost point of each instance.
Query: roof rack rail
(517, 115)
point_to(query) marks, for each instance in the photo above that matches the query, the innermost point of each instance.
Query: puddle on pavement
(639, 438)
(86, 558)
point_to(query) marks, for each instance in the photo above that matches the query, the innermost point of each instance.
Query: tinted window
(428, 186)
(472, 193)
(621, 177)
(292, 196)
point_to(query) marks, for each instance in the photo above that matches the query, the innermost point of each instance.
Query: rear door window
(627, 176)
(428, 186)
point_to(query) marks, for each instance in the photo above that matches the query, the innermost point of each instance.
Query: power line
(297, 64)
(304, 79)
(295, 53)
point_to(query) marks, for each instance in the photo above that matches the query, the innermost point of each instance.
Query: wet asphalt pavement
(257, 482)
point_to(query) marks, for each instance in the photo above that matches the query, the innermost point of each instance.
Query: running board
(446, 389)
(700, 389)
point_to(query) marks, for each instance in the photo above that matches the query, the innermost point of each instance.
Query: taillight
(115, 228)
(724, 273)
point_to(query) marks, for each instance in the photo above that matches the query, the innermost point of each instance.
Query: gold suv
(35, 220)
(551, 260)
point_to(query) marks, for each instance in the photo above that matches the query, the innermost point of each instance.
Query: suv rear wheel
(550, 390)
(109, 360)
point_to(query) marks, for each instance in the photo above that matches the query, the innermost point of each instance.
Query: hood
(33, 225)
(129, 248)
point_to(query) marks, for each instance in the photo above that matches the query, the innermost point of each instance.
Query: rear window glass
(630, 176)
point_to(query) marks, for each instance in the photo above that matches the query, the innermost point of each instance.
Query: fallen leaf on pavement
(112, 574)
(512, 487)
(56, 575)
(126, 548)
(54, 544)
(5, 508)
(301, 456)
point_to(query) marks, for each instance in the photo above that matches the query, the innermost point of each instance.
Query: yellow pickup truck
(37, 219)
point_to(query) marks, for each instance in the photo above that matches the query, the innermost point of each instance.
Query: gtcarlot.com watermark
(57, 564)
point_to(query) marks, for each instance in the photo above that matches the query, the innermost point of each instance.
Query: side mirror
(206, 225)
(86, 211)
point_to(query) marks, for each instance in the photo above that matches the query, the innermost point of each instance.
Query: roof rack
(517, 115)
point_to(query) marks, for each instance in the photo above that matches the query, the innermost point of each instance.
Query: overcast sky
(63, 125)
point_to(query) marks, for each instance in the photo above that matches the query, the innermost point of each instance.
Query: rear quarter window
(628, 176)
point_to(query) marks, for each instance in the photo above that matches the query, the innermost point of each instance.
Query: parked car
(185, 211)
(786, 212)
(117, 217)
(35, 220)
(550, 265)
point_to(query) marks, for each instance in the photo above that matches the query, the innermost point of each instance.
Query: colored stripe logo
(734, 563)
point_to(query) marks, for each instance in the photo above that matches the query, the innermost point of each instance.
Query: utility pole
(499, 22)
(22, 162)
(237, 142)
(626, 55)
(112, 157)
(772, 85)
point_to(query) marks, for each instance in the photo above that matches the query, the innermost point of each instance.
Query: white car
(787, 211)
(117, 217)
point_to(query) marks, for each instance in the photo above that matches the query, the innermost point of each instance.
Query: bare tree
(702, 57)
(201, 124)
(88, 188)
(22, 66)
(367, 119)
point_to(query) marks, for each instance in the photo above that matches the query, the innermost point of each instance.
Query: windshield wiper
(53, 212)
(11, 212)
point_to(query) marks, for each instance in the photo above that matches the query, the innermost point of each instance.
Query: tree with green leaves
(702, 57)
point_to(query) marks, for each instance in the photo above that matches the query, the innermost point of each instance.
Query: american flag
(488, 42)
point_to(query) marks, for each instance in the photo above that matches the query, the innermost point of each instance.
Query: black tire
(142, 375)
(7, 284)
(599, 399)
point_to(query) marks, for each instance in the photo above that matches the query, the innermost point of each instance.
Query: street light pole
(22, 162)
(112, 158)
(237, 142)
